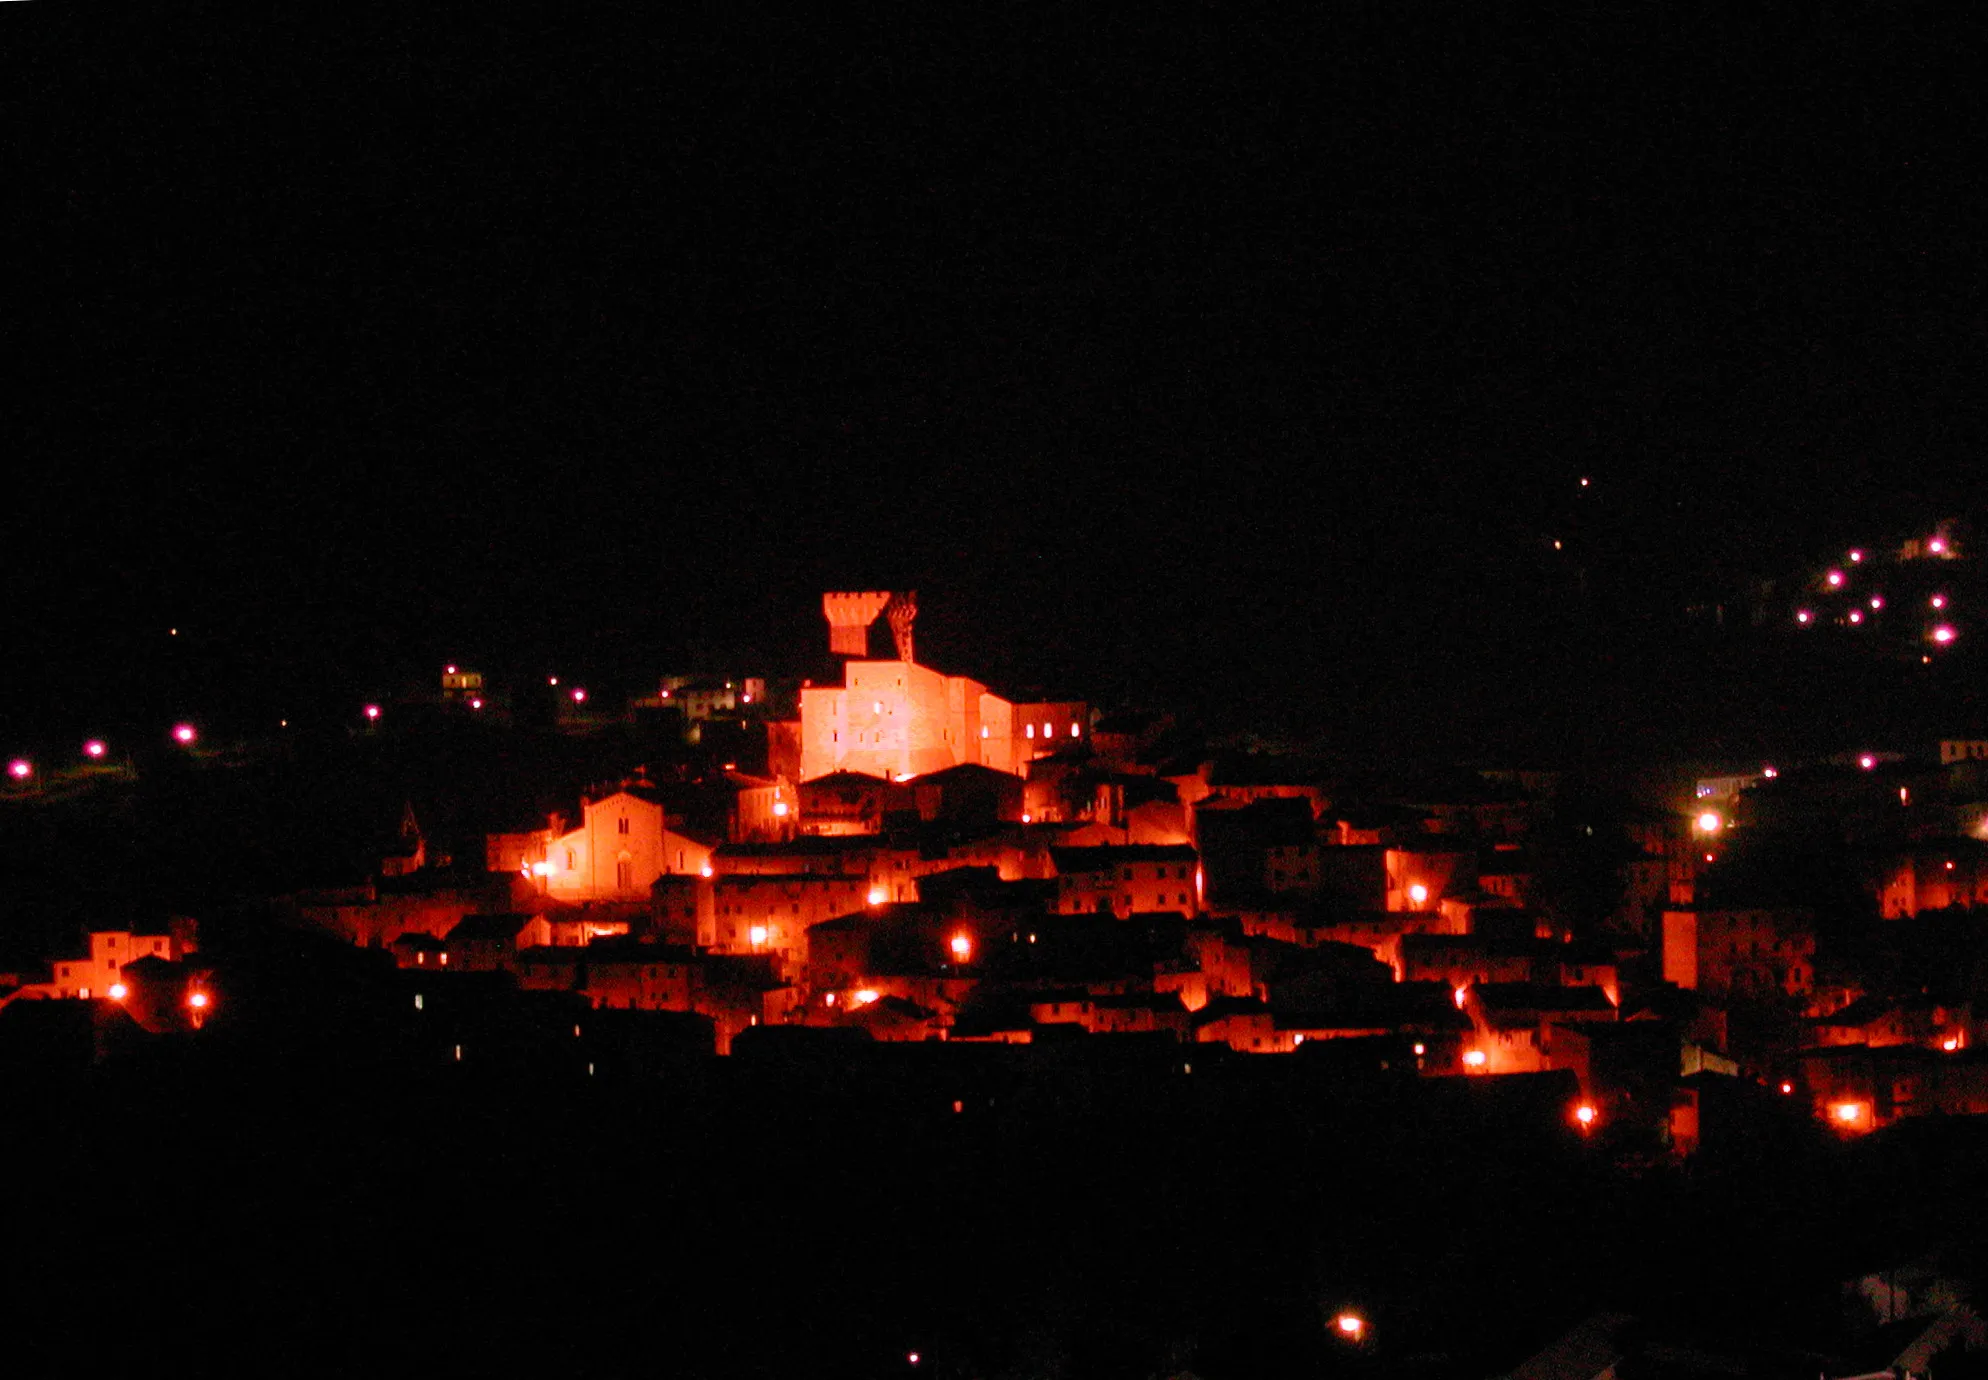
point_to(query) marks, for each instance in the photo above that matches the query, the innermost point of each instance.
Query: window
(621, 825)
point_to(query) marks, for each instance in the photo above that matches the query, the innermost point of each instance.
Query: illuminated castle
(897, 719)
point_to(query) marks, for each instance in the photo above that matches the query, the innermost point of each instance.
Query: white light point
(95, 749)
(183, 734)
(1944, 634)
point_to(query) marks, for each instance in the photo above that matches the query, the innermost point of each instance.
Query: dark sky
(1154, 352)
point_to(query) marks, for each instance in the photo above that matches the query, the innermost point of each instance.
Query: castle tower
(849, 617)
(899, 613)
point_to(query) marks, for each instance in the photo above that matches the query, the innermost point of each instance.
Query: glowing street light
(118, 991)
(1944, 634)
(1787, 1088)
(1938, 546)
(197, 1000)
(1460, 994)
(1856, 615)
(1474, 1058)
(372, 711)
(1877, 601)
(757, 934)
(1804, 617)
(1856, 556)
(1848, 1113)
(877, 896)
(865, 996)
(1709, 822)
(1938, 601)
(579, 695)
(779, 809)
(95, 749)
(1834, 579)
(1585, 1114)
(1418, 893)
(962, 948)
(1867, 761)
(184, 734)
(1351, 1326)
(20, 769)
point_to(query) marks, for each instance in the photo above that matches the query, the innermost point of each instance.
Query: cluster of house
(924, 861)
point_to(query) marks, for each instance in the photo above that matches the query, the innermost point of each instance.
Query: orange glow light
(704, 871)
(1787, 1087)
(1847, 1112)
(1709, 822)
(1803, 616)
(1867, 761)
(757, 934)
(1418, 893)
(197, 1000)
(579, 696)
(94, 749)
(780, 809)
(1474, 1058)
(183, 734)
(877, 896)
(962, 947)
(1350, 1325)
(118, 991)
(866, 996)
(372, 711)
(20, 769)
(1938, 601)
(1944, 634)
(1585, 1115)
(1834, 579)
(1459, 994)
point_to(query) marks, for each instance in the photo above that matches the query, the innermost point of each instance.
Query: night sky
(1195, 360)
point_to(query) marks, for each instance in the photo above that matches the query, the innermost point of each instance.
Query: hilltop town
(890, 875)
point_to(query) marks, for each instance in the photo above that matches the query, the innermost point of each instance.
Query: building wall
(897, 719)
(110, 950)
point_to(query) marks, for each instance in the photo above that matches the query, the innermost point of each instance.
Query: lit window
(1030, 730)
(1074, 731)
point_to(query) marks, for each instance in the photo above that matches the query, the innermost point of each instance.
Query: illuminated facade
(898, 720)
